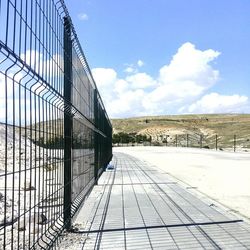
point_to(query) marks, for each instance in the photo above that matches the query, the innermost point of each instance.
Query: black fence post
(187, 140)
(96, 138)
(234, 143)
(67, 122)
(216, 142)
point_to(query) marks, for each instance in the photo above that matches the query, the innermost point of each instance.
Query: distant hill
(207, 126)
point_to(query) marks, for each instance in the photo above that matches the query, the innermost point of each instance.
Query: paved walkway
(137, 206)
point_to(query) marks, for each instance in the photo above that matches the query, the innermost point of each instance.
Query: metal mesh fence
(55, 135)
(224, 142)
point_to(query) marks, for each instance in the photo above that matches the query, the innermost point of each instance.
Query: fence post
(216, 142)
(187, 141)
(200, 141)
(96, 139)
(67, 122)
(176, 140)
(234, 143)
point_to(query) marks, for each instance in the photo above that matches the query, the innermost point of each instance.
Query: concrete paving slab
(223, 176)
(136, 206)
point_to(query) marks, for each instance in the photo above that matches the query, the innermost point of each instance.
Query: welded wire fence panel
(194, 140)
(48, 127)
(222, 142)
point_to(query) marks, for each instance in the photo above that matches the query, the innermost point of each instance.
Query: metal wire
(55, 134)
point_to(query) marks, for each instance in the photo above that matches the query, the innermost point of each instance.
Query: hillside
(207, 126)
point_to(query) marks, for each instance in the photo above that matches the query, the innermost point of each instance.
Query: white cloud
(121, 86)
(134, 67)
(120, 96)
(140, 63)
(130, 69)
(128, 103)
(106, 79)
(140, 81)
(83, 16)
(190, 64)
(216, 103)
(104, 76)
(179, 84)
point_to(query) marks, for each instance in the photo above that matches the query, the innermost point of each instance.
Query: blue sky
(194, 55)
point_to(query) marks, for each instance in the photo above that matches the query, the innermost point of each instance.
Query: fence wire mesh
(225, 142)
(55, 135)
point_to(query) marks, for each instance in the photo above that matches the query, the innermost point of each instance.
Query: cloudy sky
(167, 57)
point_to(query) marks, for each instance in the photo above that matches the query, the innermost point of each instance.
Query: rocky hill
(224, 126)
